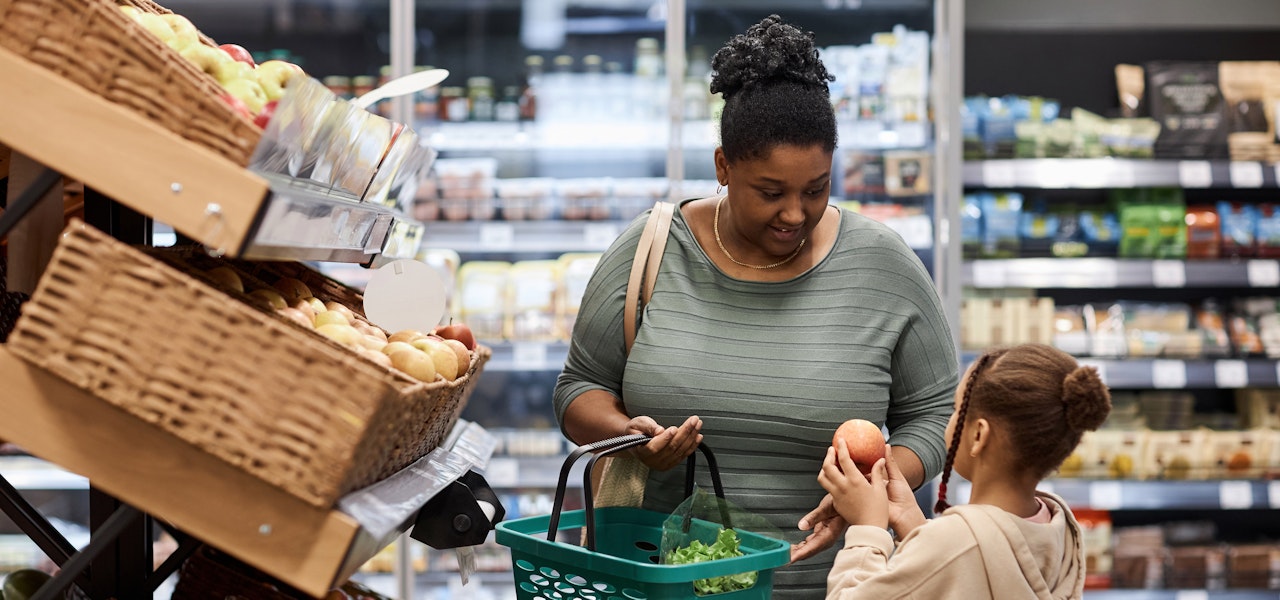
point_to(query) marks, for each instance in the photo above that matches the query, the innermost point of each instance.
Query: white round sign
(405, 294)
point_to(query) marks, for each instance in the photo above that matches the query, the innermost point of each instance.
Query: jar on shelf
(507, 108)
(529, 92)
(648, 58)
(426, 102)
(453, 103)
(480, 96)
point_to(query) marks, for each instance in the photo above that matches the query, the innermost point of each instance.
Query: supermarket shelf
(527, 356)
(200, 194)
(474, 237)
(1106, 273)
(1157, 495)
(530, 472)
(1149, 373)
(31, 473)
(1181, 594)
(1102, 173)
(307, 547)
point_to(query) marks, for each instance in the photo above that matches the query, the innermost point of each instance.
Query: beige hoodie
(973, 551)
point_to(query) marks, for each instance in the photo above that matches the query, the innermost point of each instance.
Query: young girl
(1019, 412)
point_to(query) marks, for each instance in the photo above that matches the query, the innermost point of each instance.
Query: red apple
(264, 116)
(237, 105)
(864, 440)
(457, 331)
(237, 52)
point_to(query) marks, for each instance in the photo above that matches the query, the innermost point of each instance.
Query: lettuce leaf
(725, 546)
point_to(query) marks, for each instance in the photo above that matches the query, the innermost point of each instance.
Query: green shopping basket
(620, 560)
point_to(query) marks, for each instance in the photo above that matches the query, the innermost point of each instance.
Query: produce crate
(96, 46)
(275, 400)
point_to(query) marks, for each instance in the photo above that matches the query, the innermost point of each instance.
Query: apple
(375, 356)
(316, 304)
(396, 347)
(247, 91)
(131, 11)
(274, 75)
(368, 329)
(464, 355)
(204, 58)
(343, 334)
(296, 316)
(330, 317)
(238, 53)
(184, 33)
(415, 363)
(457, 331)
(227, 278)
(305, 308)
(292, 289)
(264, 115)
(405, 335)
(271, 298)
(864, 440)
(341, 309)
(442, 356)
(158, 27)
(371, 342)
(236, 104)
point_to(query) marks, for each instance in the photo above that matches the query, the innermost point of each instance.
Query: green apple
(273, 75)
(329, 317)
(248, 91)
(231, 70)
(205, 58)
(184, 33)
(343, 334)
(442, 356)
(131, 11)
(416, 364)
(157, 26)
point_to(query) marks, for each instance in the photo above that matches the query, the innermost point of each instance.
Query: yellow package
(1235, 454)
(531, 301)
(482, 290)
(1175, 455)
(575, 271)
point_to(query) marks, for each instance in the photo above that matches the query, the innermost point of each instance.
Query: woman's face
(777, 200)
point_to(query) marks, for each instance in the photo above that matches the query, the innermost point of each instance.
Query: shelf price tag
(1195, 174)
(1169, 374)
(529, 356)
(599, 235)
(988, 274)
(497, 235)
(1168, 273)
(1235, 495)
(1273, 494)
(1246, 174)
(1263, 273)
(1229, 374)
(1106, 495)
(999, 174)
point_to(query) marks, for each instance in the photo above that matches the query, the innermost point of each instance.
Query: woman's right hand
(670, 446)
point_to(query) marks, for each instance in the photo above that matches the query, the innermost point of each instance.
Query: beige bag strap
(644, 267)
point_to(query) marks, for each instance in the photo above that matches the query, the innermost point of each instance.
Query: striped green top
(772, 368)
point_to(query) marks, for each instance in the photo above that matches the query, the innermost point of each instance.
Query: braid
(942, 503)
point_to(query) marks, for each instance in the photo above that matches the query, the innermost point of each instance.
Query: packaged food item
(1100, 232)
(1259, 409)
(584, 198)
(1166, 410)
(1105, 324)
(1153, 221)
(531, 299)
(1253, 566)
(1267, 236)
(1130, 84)
(426, 199)
(1161, 329)
(906, 173)
(1174, 455)
(1204, 232)
(1139, 558)
(1212, 326)
(634, 195)
(1095, 534)
(481, 297)
(1196, 568)
(976, 324)
(575, 271)
(526, 198)
(971, 226)
(1239, 227)
(466, 187)
(1114, 454)
(864, 174)
(1185, 98)
(1244, 335)
(1243, 86)
(1000, 215)
(1069, 332)
(1234, 454)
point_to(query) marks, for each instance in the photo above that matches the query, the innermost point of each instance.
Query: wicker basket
(95, 45)
(278, 401)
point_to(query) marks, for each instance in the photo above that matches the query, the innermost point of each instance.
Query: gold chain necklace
(715, 226)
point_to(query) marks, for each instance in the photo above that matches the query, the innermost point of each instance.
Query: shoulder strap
(644, 267)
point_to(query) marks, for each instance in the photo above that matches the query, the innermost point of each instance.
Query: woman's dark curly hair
(775, 91)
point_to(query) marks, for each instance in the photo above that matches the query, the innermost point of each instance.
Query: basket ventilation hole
(528, 587)
(646, 546)
(550, 573)
(604, 587)
(576, 580)
(653, 558)
(538, 579)
(566, 588)
(634, 594)
(551, 594)
(524, 565)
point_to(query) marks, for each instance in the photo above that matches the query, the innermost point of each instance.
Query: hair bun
(770, 49)
(1088, 402)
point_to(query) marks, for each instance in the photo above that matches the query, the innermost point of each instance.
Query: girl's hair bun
(1088, 402)
(769, 50)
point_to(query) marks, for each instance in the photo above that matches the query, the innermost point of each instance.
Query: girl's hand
(859, 501)
(904, 511)
(670, 446)
(827, 525)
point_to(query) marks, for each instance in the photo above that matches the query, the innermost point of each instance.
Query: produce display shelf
(1118, 494)
(1181, 594)
(307, 547)
(1109, 273)
(525, 237)
(1176, 374)
(199, 193)
(1105, 173)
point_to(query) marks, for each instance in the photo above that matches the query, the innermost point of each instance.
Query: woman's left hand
(859, 501)
(827, 525)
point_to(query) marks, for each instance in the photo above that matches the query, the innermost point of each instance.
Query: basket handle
(618, 444)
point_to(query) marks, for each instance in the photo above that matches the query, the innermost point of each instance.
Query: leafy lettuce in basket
(725, 546)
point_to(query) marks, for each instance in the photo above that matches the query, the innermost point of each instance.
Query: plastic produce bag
(704, 527)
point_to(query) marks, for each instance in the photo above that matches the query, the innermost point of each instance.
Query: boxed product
(1100, 232)
(1267, 235)
(1211, 324)
(907, 173)
(531, 299)
(1244, 85)
(1001, 213)
(1204, 232)
(1185, 98)
(1095, 534)
(466, 187)
(1235, 454)
(1038, 228)
(1196, 568)
(1153, 222)
(1239, 226)
(1174, 455)
(864, 173)
(1139, 558)
(1161, 329)
(1253, 566)
(481, 297)
(526, 198)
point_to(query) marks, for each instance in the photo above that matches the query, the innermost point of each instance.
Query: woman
(775, 317)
